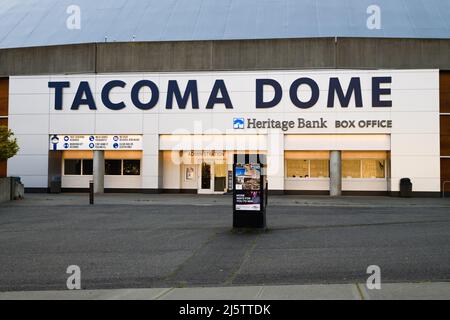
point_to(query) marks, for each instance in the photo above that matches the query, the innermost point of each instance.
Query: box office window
(319, 168)
(364, 168)
(297, 168)
(306, 168)
(76, 167)
(373, 169)
(351, 169)
(87, 167)
(125, 167)
(72, 166)
(131, 167)
(113, 167)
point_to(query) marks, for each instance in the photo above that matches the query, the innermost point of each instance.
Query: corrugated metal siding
(25, 23)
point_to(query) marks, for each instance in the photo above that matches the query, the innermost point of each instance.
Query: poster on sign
(248, 187)
(95, 142)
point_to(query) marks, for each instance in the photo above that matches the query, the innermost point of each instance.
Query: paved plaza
(186, 241)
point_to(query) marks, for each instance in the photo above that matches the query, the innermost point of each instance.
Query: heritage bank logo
(302, 123)
(238, 123)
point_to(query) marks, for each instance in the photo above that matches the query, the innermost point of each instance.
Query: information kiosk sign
(249, 191)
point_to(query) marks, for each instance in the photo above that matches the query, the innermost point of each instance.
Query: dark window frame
(83, 167)
(123, 167)
(73, 174)
(120, 169)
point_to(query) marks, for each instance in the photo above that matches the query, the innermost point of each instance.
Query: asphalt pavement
(161, 241)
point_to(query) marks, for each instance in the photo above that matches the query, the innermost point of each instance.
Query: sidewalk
(425, 291)
(70, 199)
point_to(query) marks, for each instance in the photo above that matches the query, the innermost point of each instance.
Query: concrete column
(99, 171)
(335, 173)
(152, 159)
(275, 160)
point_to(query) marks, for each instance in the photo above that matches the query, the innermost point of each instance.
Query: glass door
(220, 177)
(213, 178)
(205, 178)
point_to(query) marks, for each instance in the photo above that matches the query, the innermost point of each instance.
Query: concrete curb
(136, 199)
(388, 291)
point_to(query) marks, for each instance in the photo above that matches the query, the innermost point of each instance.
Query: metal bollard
(91, 192)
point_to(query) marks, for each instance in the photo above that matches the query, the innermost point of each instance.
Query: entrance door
(212, 178)
(220, 177)
(206, 183)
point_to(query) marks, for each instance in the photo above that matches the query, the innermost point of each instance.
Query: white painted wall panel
(150, 182)
(337, 142)
(149, 165)
(29, 85)
(115, 124)
(213, 142)
(76, 181)
(29, 123)
(150, 124)
(364, 185)
(28, 165)
(415, 122)
(414, 135)
(74, 124)
(32, 144)
(23, 104)
(121, 182)
(171, 172)
(306, 185)
(416, 144)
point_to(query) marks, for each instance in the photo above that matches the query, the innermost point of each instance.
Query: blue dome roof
(25, 23)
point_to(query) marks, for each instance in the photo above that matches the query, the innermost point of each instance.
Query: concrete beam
(154, 56)
(233, 55)
(48, 60)
(273, 54)
(379, 53)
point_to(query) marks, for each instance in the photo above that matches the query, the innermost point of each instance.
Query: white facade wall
(413, 140)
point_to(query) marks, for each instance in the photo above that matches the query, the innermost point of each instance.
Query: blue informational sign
(95, 142)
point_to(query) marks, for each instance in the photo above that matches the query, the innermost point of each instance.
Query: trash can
(55, 184)
(405, 188)
(16, 188)
(16, 179)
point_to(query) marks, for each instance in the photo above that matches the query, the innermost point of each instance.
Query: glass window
(319, 168)
(113, 167)
(297, 168)
(87, 167)
(351, 168)
(373, 169)
(206, 176)
(72, 167)
(131, 167)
